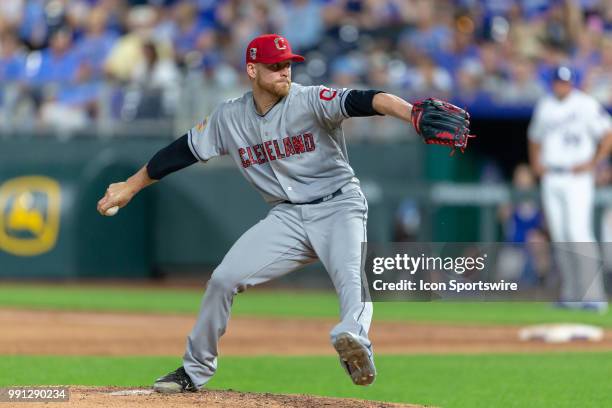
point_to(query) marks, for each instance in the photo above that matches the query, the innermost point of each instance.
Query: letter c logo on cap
(280, 43)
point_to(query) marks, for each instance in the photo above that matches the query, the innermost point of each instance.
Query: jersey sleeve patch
(202, 125)
(328, 94)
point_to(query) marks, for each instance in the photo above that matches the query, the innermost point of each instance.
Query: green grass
(515, 380)
(282, 304)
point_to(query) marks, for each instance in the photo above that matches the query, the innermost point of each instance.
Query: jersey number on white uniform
(571, 139)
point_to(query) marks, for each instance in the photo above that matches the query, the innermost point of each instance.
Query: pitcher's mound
(117, 397)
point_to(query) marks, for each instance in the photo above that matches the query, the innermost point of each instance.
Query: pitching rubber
(355, 358)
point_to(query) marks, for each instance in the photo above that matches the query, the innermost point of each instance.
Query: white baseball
(112, 211)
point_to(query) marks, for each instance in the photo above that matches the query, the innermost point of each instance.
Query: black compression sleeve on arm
(171, 158)
(359, 103)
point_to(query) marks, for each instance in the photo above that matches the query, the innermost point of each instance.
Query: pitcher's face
(274, 78)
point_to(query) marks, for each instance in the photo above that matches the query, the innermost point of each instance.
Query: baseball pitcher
(569, 134)
(287, 141)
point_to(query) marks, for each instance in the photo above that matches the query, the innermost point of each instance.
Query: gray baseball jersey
(296, 152)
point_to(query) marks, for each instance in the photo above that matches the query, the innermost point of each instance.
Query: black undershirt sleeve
(171, 158)
(359, 103)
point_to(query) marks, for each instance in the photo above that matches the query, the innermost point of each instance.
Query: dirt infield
(105, 334)
(86, 397)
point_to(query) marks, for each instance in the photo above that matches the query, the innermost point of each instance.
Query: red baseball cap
(270, 49)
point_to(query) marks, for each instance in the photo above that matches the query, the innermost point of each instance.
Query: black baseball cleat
(355, 358)
(175, 382)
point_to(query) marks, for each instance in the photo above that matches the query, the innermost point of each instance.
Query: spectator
(306, 34)
(493, 72)
(461, 48)
(407, 221)
(429, 37)
(563, 24)
(598, 80)
(12, 65)
(389, 13)
(468, 90)
(587, 52)
(11, 13)
(523, 223)
(12, 58)
(525, 215)
(606, 7)
(55, 77)
(126, 52)
(533, 10)
(56, 66)
(155, 84)
(347, 70)
(428, 79)
(190, 34)
(378, 70)
(93, 49)
(242, 21)
(207, 10)
(522, 87)
(117, 11)
(33, 29)
(525, 32)
(339, 13)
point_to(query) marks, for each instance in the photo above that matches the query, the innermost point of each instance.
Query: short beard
(283, 89)
(279, 89)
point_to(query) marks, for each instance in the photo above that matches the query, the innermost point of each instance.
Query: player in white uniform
(287, 141)
(569, 134)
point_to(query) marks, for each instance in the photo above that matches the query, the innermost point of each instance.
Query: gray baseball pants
(289, 237)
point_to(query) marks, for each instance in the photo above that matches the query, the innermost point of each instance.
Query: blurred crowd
(72, 65)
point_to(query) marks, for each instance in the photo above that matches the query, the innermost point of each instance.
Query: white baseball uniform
(568, 132)
(295, 156)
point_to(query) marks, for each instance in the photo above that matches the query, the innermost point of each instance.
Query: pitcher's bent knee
(222, 284)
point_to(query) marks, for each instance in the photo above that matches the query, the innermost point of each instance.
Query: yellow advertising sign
(29, 215)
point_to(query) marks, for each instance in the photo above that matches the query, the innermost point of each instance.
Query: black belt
(322, 199)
